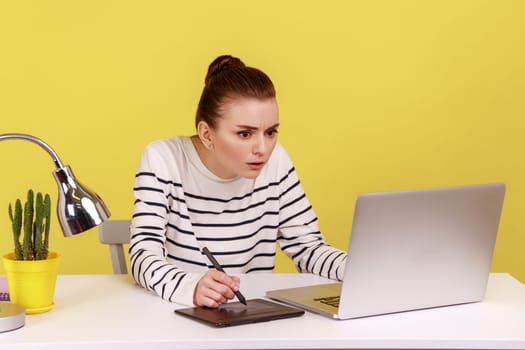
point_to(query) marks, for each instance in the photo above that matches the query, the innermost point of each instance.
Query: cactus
(37, 226)
(16, 222)
(46, 223)
(35, 221)
(27, 250)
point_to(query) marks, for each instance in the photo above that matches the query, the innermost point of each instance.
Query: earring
(210, 146)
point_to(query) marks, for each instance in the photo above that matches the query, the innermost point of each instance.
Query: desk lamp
(78, 210)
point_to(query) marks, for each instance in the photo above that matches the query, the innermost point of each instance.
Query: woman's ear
(205, 133)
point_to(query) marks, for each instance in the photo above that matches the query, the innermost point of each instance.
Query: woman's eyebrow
(248, 127)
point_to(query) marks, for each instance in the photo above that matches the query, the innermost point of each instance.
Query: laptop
(411, 250)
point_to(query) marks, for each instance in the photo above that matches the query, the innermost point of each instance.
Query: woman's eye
(272, 132)
(243, 134)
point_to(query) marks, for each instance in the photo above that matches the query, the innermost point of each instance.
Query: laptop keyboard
(332, 301)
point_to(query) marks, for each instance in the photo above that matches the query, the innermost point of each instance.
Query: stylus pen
(219, 267)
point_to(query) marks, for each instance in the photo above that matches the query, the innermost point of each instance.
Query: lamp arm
(36, 140)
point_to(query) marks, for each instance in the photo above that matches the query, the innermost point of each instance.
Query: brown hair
(227, 78)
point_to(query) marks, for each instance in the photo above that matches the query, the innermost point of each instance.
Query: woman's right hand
(215, 288)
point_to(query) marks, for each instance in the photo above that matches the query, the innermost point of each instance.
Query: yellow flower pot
(32, 283)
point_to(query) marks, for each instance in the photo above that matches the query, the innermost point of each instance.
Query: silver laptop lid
(418, 249)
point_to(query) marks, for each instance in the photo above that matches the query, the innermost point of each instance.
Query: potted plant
(31, 269)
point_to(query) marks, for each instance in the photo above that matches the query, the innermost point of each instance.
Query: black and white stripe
(181, 207)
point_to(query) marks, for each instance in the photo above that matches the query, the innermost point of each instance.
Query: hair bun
(222, 63)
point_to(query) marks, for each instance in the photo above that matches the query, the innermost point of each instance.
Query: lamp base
(12, 317)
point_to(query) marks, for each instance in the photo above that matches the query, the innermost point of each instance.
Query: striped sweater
(180, 207)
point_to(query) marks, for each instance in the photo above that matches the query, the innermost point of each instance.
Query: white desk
(111, 312)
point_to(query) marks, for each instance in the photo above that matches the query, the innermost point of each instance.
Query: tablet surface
(235, 313)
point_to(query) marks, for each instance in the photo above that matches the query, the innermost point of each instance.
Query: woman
(231, 188)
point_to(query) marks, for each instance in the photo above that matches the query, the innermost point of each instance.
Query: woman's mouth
(255, 165)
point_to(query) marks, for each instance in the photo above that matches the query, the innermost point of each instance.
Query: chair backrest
(115, 233)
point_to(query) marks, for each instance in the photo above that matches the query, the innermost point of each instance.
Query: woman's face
(244, 137)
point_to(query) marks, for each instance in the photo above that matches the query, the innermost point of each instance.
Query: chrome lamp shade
(78, 208)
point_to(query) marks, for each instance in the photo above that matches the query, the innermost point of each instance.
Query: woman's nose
(259, 146)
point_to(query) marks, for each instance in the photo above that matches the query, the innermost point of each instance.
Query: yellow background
(374, 96)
